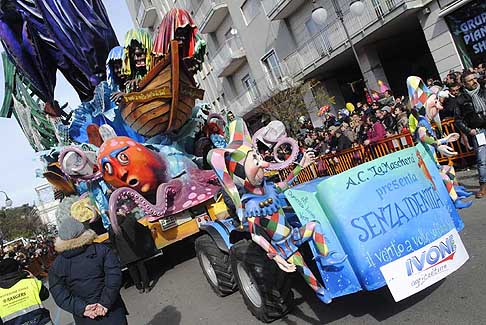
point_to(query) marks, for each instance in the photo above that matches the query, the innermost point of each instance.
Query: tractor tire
(266, 289)
(216, 266)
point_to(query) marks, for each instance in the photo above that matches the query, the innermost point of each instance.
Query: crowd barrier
(333, 164)
(463, 146)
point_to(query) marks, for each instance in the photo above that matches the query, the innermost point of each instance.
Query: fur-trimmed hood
(86, 238)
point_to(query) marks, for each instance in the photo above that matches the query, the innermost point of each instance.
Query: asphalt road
(182, 295)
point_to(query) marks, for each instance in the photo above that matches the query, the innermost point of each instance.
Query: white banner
(424, 267)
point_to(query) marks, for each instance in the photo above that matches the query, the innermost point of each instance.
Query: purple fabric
(41, 36)
(21, 41)
(82, 31)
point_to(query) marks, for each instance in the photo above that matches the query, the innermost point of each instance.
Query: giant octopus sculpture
(159, 183)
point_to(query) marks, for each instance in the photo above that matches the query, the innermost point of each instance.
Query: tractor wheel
(266, 289)
(216, 266)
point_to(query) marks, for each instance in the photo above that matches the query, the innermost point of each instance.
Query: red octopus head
(126, 163)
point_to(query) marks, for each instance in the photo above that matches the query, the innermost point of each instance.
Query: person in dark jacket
(133, 244)
(471, 119)
(343, 141)
(21, 296)
(387, 119)
(85, 278)
(450, 102)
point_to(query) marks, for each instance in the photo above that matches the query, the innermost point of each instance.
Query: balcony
(280, 9)
(210, 15)
(244, 103)
(263, 89)
(146, 16)
(230, 56)
(332, 40)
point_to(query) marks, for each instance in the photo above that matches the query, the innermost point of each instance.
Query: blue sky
(18, 161)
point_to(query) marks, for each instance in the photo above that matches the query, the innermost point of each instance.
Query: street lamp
(319, 15)
(8, 201)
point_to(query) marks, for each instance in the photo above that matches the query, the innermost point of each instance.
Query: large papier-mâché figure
(137, 56)
(262, 206)
(424, 132)
(79, 163)
(83, 32)
(103, 109)
(160, 183)
(178, 25)
(43, 36)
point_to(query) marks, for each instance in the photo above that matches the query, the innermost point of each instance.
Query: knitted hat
(8, 265)
(70, 228)
(230, 161)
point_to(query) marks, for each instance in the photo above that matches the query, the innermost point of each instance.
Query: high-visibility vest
(20, 299)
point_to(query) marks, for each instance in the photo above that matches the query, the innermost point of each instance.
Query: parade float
(388, 222)
(141, 95)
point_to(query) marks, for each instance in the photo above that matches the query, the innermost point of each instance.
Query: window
(250, 9)
(251, 88)
(272, 67)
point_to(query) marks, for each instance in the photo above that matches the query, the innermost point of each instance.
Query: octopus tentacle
(293, 156)
(157, 211)
(79, 152)
(84, 162)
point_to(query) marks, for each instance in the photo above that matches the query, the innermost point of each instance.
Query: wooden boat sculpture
(165, 97)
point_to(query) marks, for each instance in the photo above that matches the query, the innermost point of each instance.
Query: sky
(18, 161)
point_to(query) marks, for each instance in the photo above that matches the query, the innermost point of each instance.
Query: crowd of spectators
(35, 255)
(383, 117)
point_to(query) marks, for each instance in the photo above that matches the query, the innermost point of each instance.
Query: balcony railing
(280, 9)
(262, 90)
(210, 15)
(230, 56)
(332, 36)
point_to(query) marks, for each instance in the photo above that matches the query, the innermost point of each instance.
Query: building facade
(47, 204)
(259, 47)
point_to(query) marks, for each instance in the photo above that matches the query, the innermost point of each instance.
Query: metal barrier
(464, 150)
(333, 164)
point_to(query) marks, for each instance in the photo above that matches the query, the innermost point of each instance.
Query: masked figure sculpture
(262, 206)
(424, 132)
(137, 57)
(103, 108)
(178, 25)
(159, 183)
